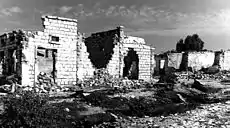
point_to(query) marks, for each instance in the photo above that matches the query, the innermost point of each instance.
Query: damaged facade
(122, 55)
(52, 51)
(66, 56)
(193, 61)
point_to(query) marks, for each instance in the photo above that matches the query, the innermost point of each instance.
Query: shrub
(29, 109)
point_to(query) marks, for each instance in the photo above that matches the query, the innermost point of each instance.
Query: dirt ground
(151, 107)
(158, 106)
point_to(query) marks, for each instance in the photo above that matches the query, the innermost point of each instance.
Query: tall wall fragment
(111, 47)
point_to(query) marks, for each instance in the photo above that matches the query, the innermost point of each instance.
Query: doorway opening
(131, 61)
(11, 62)
(46, 62)
(2, 61)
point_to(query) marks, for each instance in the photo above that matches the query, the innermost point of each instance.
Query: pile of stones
(184, 75)
(45, 81)
(210, 76)
(101, 78)
(202, 75)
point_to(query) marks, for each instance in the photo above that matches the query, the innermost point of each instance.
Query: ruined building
(122, 55)
(61, 51)
(195, 61)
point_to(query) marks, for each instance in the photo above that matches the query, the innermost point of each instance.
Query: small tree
(191, 43)
(180, 45)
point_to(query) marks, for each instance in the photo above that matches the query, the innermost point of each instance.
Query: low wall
(197, 60)
(224, 61)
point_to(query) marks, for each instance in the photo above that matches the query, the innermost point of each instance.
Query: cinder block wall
(66, 30)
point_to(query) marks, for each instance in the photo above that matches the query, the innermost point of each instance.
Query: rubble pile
(9, 83)
(5, 88)
(183, 75)
(202, 75)
(45, 81)
(103, 79)
(134, 84)
(217, 76)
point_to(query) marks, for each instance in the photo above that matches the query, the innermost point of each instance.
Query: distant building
(193, 61)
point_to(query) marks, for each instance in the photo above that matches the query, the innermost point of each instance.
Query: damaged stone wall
(197, 60)
(85, 67)
(59, 34)
(224, 60)
(115, 66)
(174, 60)
(1, 61)
(167, 62)
(11, 55)
(62, 51)
(158, 63)
(103, 50)
(108, 50)
(183, 61)
(144, 53)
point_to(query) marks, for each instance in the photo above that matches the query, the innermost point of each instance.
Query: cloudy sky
(161, 22)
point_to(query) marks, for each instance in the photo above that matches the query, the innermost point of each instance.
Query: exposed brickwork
(122, 44)
(66, 34)
(70, 56)
(144, 53)
(85, 68)
(11, 45)
(66, 30)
